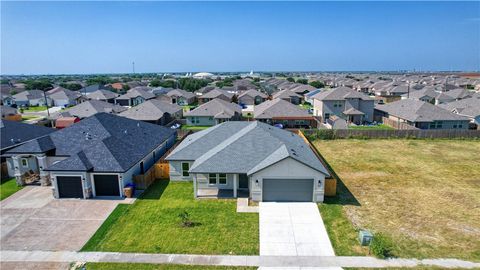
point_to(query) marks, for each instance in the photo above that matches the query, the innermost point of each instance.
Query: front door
(243, 181)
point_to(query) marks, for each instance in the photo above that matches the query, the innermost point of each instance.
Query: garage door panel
(288, 190)
(69, 186)
(106, 185)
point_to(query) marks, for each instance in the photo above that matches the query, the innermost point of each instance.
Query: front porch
(216, 193)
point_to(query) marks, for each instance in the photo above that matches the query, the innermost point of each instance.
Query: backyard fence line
(385, 134)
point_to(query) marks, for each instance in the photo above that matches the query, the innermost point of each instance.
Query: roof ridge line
(224, 144)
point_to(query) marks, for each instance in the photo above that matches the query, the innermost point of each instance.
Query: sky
(106, 37)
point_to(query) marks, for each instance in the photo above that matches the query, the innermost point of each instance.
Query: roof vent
(88, 136)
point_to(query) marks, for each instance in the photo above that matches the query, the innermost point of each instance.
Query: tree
(302, 81)
(317, 84)
(71, 86)
(125, 87)
(234, 99)
(42, 84)
(290, 79)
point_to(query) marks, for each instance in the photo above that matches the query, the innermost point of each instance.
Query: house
(252, 158)
(87, 90)
(335, 122)
(279, 111)
(91, 107)
(134, 96)
(180, 97)
(31, 98)
(301, 89)
(62, 97)
(14, 134)
(9, 113)
(95, 157)
(215, 94)
(251, 97)
(344, 102)
(308, 96)
(289, 96)
(103, 95)
(422, 115)
(469, 107)
(214, 112)
(154, 111)
(390, 94)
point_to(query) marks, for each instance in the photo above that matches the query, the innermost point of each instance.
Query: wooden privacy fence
(4, 170)
(331, 181)
(396, 125)
(399, 134)
(159, 170)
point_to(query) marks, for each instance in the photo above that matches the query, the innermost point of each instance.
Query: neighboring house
(180, 97)
(103, 95)
(335, 122)
(422, 115)
(469, 107)
(308, 96)
(9, 113)
(91, 107)
(289, 96)
(279, 111)
(431, 95)
(134, 96)
(267, 163)
(62, 97)
(301, 89)
(31, 98)
(97, 156)
(390, 94)
(154, 111)
(215, 94)
(87, 90)
(251, 97)
(344, 102)
(157, 91)
(214, 112)
(14, 134)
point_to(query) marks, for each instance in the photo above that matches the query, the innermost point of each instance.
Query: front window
(222, 179)
(185, 168)
(212, 178)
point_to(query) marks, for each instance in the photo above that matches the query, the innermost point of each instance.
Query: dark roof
(278, 108)
(91, 107)
(16, 133)
(100, 143)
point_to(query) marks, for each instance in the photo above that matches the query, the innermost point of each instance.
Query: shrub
(381, 246)
(323, 134)
(185, 219)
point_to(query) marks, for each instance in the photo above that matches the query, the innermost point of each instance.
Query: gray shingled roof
(252, 93)
(102, 94)
(151, 110)
(28, 95)
(101, 143)
(62, 93)
(285, 94)
(180, 93)
(243, 147)
(15, 133)
(216, 107)
(215, 93)
(278, 108)
(468, 106)
(418, 111)
(91, 107)
(137, 92)
(7, 110)
(340, 93)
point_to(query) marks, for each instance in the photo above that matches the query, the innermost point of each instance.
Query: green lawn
(377, 127)
(306, 106)
(8, 187)
(420, 194)
(152, 225)
(30, 117)
(187, 127)
(145, 266)
(35, 109)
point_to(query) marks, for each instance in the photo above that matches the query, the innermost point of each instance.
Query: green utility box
(365, 237)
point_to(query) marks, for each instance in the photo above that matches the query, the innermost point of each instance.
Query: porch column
(42, 164)
(17, 174)
(235, 185)
(194, 186)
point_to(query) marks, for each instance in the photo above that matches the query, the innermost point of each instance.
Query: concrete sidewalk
(280, 262)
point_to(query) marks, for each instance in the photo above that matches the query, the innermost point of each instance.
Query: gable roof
(137, 92)
(215, 93)
(252, 93)
(7, 110)
(151, 110)
(418, 111)
(468, 106)
(62, 93)
(101, 143)
(29, 94)
(278, 108)
(102, 94)
(217, 108)
(15, 133)
(285, 94)
(224, 148)
(340, 93)
(180, 93)
(91, 107)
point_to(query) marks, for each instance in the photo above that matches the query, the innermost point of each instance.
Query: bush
(185, 219)
(322, 134)
(381, 246)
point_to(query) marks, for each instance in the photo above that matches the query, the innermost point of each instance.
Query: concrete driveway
(33, 220)
(293, 229)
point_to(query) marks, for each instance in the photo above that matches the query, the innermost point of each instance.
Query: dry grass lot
(423, 194)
